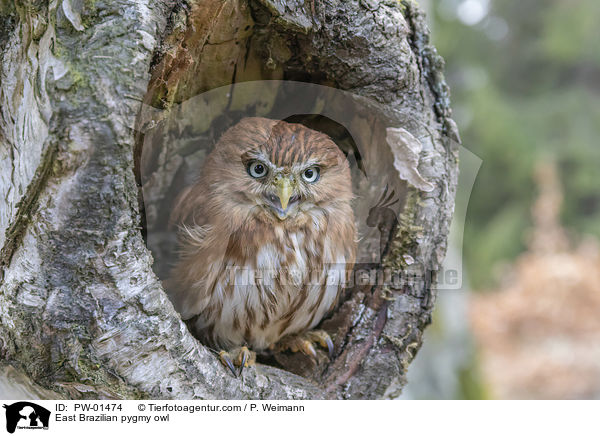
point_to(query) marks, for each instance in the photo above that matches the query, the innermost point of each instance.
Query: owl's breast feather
(285, 288)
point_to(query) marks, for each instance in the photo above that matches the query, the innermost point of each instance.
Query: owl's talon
(226, 360)
(329, 345)
(306, 343)
(308, 349)
(244, 354)
(242, 358)
(323, 339)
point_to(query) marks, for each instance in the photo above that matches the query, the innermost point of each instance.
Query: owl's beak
(282, 201)
(284, 191)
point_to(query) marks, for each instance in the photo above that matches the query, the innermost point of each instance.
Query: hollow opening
(219, 65)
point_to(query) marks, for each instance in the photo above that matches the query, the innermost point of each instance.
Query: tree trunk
(84, 85)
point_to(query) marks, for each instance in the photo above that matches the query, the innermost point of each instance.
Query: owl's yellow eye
(311, 175)
(257, 170)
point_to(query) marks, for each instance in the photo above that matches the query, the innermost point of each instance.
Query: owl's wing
(185, 286)
(188, 208)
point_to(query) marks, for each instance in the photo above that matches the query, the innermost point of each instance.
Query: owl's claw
(243, 357)
(226, 360)
(323, 340)
(305, 343)
(330, 348)
(308, 349)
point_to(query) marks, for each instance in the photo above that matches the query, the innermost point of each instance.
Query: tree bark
(82, 312)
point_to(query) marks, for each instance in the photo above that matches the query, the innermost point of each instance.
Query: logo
(26, 415)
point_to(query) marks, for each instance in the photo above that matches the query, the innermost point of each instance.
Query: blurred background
(525, 80)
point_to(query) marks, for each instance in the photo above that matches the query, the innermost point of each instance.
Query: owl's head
(276, 172)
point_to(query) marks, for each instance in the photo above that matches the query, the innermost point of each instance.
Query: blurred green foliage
(525, 80)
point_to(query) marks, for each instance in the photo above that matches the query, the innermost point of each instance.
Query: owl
(266, 241)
